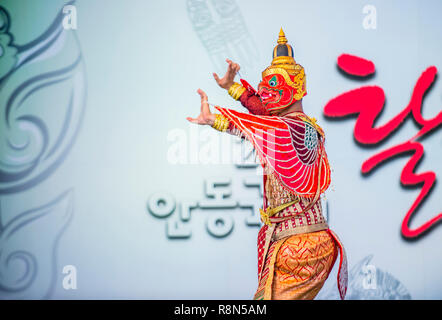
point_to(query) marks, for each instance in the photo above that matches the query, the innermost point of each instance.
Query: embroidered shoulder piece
(290, 147)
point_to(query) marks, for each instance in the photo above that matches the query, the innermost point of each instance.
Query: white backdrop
(142, 62)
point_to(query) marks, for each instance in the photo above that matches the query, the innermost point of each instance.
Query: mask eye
(273, 82)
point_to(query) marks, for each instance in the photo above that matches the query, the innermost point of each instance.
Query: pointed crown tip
(282, 39)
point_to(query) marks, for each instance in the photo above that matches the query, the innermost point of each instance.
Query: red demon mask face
(275, 93)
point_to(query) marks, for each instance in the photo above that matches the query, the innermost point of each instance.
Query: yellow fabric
(302, 264)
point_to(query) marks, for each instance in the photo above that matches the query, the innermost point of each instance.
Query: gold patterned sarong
(297, 266)
(302, 265)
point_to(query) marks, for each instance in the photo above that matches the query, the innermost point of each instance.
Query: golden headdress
(284, 64)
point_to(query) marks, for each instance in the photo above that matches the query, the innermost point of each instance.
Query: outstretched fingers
(233, 67)
(204, 102)
(193, 120)
(203, 95)
(205, 110)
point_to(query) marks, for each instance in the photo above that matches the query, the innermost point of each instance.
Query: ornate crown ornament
(284, 64)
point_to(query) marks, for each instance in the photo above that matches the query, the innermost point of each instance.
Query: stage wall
(106, 191)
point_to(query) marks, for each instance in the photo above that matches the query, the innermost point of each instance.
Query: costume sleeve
(293, 148)
(235, 131)
(252, 102)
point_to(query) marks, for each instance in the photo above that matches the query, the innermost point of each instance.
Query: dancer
(296, 248)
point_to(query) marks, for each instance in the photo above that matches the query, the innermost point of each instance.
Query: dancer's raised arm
(248, 98)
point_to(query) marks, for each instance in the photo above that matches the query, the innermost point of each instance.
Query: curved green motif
(8, 52)
(273, 82)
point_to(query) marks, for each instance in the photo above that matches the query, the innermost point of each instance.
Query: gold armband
(236, 90)
(221, 123)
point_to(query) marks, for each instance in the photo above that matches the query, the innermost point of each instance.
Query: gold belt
(266, 216)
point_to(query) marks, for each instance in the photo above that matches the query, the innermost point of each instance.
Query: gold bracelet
(236, 90)
(221, 123)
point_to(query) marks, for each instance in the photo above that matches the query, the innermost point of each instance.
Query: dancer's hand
(205, 117)
(227, 81)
